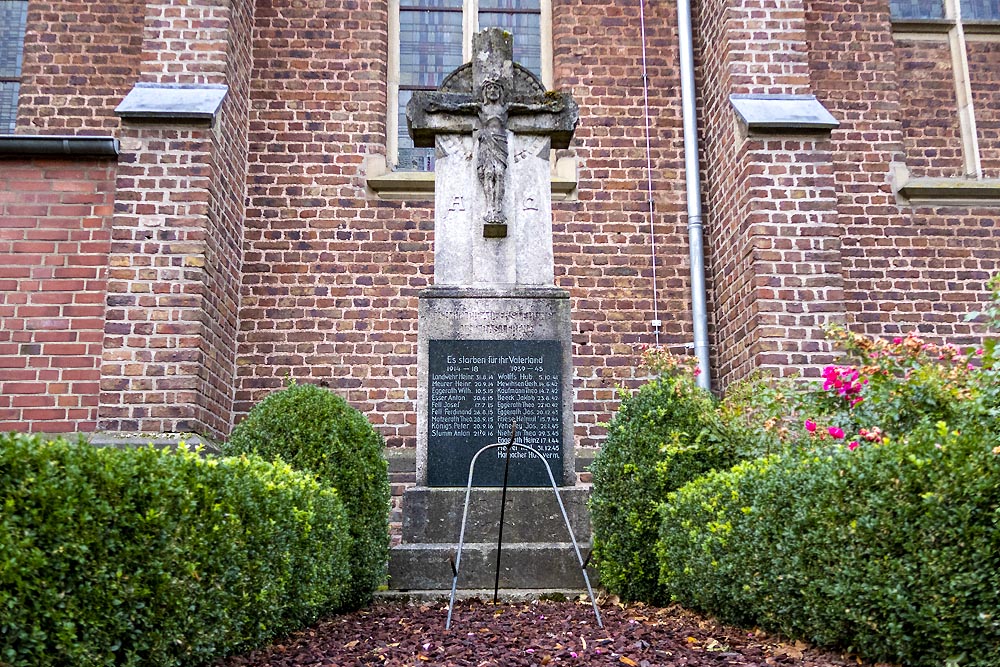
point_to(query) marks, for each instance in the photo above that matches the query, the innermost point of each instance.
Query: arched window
(430, 38)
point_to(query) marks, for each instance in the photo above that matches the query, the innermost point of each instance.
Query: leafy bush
(890, 549)
(897, 386)
(661, 437)
(315, 430)
(144, 557)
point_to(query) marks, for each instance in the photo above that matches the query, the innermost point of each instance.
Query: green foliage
(899, 385)
(314, 430)
(865, 512)
(991, 317)
(661, 437)
(152, 558)
(891, 550)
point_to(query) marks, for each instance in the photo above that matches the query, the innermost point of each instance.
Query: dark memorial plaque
(476, 389)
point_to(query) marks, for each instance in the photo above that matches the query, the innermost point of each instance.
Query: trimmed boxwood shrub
(662, 437)
(152, 558)
(314, 430)
(891, 550)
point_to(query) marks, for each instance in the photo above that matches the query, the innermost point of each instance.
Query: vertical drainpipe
(696, 245)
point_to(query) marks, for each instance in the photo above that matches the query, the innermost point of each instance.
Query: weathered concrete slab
(435, 515)
(156, 101)
(551, 565)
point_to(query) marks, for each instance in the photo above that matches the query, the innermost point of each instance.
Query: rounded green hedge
(314, 430)
(662, 437)
(891, 550)
(152, 558)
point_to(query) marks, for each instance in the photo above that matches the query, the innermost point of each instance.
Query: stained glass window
(916, 9)
(13, 19)
(431, 37)
(972, 10)
(981, 10)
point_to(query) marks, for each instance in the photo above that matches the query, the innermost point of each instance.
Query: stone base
(532, 515)
(537, 550)
(551, 565)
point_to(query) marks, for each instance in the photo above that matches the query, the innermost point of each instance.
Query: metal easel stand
(457, 563)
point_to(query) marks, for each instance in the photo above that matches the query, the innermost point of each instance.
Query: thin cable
(649, 171)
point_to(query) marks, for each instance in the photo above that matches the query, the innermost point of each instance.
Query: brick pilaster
(176, 254)
(772, 206)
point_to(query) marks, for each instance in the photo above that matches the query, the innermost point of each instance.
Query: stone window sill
(417, 185)
(948, 191)
(944, 25)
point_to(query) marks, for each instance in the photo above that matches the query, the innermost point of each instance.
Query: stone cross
(492, 124)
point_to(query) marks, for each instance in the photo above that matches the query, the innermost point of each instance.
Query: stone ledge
(507, 595)
(477, 293)
(157, 440)
(433, 515)
(942, 191)
(550, 566)
(942, 26)
(417, 185)
(172, 102)
(781, 114)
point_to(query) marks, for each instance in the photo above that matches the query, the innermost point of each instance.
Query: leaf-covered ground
(528, 634)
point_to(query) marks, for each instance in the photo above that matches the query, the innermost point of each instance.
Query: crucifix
(489, 98)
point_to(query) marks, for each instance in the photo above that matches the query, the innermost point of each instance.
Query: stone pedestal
(486, 356)
(537, 551)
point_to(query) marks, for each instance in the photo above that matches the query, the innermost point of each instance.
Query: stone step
(434, 515)
(441, 596)
(550, 566)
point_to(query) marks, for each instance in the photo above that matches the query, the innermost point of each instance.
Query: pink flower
(854, 445)
(835, 431)
(897, 341)
(810, 426)
(872, 435)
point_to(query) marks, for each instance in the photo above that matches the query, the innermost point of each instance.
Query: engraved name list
(477, 388)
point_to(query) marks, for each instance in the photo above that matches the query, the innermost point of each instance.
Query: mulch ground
(529, 634)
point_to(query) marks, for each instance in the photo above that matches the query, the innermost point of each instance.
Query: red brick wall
(931, 135)
(242, 255)
(156, 317)
(224, 242)
(331, 275)
(602, 241)
(984, 71)
(904, 268)
(774, 234)
(54, 238)
(80, 59)
(733, 308)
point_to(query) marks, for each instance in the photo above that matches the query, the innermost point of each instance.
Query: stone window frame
(381, 175)
(14, 77)
(972, 188)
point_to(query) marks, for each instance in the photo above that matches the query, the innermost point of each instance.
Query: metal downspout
(692, 178)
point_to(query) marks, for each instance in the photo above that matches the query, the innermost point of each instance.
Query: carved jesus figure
(491, 159)
(491, 138)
